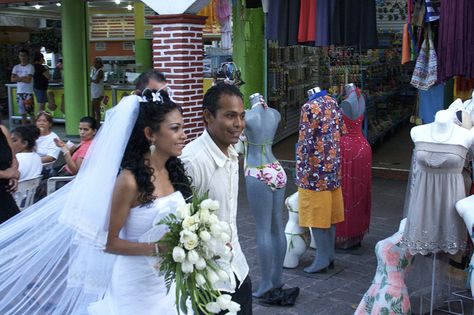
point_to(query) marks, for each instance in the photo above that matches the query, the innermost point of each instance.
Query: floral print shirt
(318, 160)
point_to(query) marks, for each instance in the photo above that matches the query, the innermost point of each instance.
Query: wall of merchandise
(377, 72)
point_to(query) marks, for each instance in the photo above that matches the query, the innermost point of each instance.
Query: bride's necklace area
(450, 133)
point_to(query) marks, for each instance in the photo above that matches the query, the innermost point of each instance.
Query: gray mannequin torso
(353, 106)
(261, 126)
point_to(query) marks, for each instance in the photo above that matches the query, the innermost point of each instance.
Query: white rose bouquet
(196, 239)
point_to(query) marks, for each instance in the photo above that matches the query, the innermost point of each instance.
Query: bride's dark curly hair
(152, 114)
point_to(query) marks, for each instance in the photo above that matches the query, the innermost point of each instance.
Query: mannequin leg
(278, 238)
(260, 198)
(322, 238)
(332, 245)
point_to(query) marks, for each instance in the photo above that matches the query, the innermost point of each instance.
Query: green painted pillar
(248, 48)
(75, 43)
(143, 51)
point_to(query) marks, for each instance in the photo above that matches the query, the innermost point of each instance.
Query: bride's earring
(152, 148)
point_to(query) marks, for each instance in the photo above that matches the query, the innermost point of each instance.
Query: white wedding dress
(135, 288)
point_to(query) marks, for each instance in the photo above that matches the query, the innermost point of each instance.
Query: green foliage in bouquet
(195, 241)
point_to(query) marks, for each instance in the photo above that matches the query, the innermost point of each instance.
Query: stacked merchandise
(291, 72)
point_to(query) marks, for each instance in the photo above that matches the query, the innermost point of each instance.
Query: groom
(212, 163)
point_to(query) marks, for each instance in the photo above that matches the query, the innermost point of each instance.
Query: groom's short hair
(213, 96)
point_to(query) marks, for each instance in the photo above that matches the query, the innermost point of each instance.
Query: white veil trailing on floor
(51, 254)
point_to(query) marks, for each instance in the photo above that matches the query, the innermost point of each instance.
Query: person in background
(57, 72)
(23, 143)
(45, 145)
(8, 176)
(154, 80)
(97, 87)
(22, 74)
(75, 155)
(40, 80)
(212, 163)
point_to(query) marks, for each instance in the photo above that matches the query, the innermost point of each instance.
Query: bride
(81, 250)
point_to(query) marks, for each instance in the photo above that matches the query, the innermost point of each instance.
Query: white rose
(206, 204)
(225, 227)
(200, 264)
(225, 237)
(205, 236)
(182, 211)
(190, 223)
(213, 219)
(213, 307)
(216, 230)
(193, 256)
(187, 266)
(204, 215)
(212, 276)
(189, 239)
(178, 254)
(224, 301)
(234, 307)
(200, 280)
(214, 205)
(223, 276)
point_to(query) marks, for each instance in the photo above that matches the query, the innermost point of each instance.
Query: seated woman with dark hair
(24, 143)
(75, 155)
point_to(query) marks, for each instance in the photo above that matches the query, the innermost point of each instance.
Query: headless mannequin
(353, 105)
(465, 208)
(324, 239)
(296, 236)
(265, 201)
(443, 130)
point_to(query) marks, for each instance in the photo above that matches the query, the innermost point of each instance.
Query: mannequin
(318, 174)
(439, 156)
(388, 292)
(465, 208)
(442, 130)
(265, 181)
(356, 155)
(353, 105)
(296, 236)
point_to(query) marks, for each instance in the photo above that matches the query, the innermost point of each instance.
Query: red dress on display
(356, 156)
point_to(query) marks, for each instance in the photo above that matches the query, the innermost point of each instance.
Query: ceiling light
(117, 1)
(37, 6)
(58, 4)
(129, 7)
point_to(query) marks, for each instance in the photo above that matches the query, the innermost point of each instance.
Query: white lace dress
(135, 288)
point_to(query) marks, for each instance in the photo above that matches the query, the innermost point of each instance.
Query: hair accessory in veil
(149, 95)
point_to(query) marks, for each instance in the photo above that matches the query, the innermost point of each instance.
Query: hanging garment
(353, 23)
(456, 40)
(307, 21)
(430, 102)
(272, 19)
(433, 224)
(356, 156)
(425, 73)
(388, 292)
(293, 22)
(323, 21)
(432, 10)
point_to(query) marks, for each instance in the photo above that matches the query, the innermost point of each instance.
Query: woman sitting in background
(87, 130)
(45, 145)
(24, 142)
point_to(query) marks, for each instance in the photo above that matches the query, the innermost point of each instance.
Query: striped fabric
(432, 10)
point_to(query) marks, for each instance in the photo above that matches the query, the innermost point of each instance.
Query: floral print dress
(388, 294)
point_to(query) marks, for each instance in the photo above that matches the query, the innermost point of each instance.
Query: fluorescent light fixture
(37, 6)
(129, 7)
(117, 1)
(58, 4)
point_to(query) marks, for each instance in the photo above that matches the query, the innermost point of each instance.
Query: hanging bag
(426, 67)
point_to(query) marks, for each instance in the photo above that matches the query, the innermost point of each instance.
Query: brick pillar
(178, 53)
